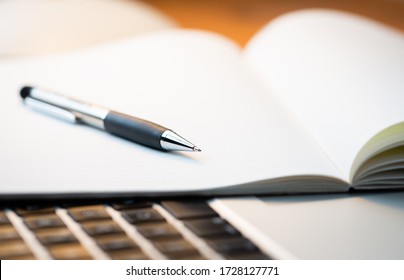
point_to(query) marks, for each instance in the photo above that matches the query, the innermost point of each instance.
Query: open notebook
(314, 103)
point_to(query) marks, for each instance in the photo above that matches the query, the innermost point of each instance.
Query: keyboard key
(13, 249)
(7, 233)
(34, 210)
(158, 231)
(130, 204)
(211, 226)
(179, 248)
(188, 209)
(43, 221)
(88, 213)
(116, 243)
(232, 245)
(3, 219)
(55, 236)
(248, 256)
(23, 257)
(144, 215)
(101, 227)
(190, 257)
(69, 252)
(128, 255)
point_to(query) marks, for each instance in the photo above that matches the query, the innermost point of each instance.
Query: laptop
(337, 226)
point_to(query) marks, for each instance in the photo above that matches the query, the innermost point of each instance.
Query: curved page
(340, 74)
(194, 83)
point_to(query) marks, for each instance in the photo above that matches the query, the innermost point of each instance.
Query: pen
(128, 127)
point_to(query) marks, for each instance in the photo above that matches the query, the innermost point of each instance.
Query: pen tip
(196, 149)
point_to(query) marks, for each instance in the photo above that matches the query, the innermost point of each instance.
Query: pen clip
(51, 109)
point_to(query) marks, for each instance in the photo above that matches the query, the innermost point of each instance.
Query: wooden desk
(241, 19)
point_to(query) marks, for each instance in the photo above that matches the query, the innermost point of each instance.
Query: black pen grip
(134, 129)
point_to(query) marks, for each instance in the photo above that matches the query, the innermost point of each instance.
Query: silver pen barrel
(84, 112)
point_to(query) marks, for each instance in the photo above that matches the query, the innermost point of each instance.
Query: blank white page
(192, 82)
(342, 76)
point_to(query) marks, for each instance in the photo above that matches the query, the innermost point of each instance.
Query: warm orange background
(240, 19)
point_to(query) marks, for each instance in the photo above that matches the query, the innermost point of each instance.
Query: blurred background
(240, 19)
(37, 27)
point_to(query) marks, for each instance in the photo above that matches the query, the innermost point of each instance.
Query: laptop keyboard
(124, 230)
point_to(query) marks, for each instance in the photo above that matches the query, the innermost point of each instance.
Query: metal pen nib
(171, 141)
